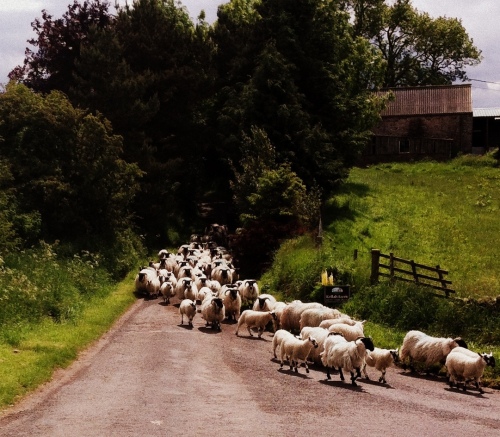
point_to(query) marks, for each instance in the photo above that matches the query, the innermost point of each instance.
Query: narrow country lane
(149, 376)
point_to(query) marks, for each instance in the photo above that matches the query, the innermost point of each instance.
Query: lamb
(350, 333)
(213, 312)
(296, 350)
(348, 356)
(232, 303)
(320, 334)
(314, 316)
(290, 318)
(188, 308)
(203, 292)
(465, 365)
(278, 337)
(255, 319)
(278, 309)
(381, 359)
(264, 302)
(420, 347)
(167, 290)
(153, 286)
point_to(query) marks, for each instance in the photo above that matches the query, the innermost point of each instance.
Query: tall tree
(58, 44)
(67, 166)
(418, 49)
(307, 85)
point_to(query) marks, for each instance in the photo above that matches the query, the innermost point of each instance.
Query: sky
(479, 17)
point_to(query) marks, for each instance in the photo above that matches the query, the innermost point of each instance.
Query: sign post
(336, 294)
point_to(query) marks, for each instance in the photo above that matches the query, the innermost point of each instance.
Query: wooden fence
(409, 271)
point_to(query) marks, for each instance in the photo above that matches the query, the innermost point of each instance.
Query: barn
(428, 122)
(486, 135)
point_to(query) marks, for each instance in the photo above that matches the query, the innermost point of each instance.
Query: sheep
(320, 334)
(420, 347)
(232, 303)
(163, 254)
(213, 312)
(381, 359)
(153, 287)
(278, 337)
(203, 292)
(350, 333)
(167, 290)
(296, 350)
(142, 278)
(167, 275)
(186, 289)
(264, 302)
(465, 365)
(278, 309)
(188, 308)
(314, 316)
(290, 318)
(344, 318)
(249, 290)
(215, 286)
(255, 319)
(223, 274)
(348, 356)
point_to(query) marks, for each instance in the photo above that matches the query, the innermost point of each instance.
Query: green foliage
(35, 284)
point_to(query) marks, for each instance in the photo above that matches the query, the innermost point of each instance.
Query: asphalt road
(150, 376)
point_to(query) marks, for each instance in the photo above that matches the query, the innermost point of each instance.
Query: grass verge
(42, 348)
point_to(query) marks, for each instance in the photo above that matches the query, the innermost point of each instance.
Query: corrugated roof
(486, 112)
(446, 99)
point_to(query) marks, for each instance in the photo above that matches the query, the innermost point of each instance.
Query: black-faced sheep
(350, 333)
(232, 302)
(213, 312)
(314, 316)
(264, 302)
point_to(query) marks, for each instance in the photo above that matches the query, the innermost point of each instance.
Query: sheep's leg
(260, 331)
(353, 379)
(364, 371)
(358, 372)
(305, 365)
(249, 330)
(382, 378)
(341, 374)
(328, 376)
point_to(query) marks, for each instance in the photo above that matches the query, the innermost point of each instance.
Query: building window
(404, 146)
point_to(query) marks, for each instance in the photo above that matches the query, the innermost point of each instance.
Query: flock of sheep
(203, 278)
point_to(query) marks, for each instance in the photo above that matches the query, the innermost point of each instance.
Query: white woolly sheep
(465, 365)
(278, 337)
(278, 309)
(296, 350)
(142, 278)
(348, 356)
(255, 319)
(153, 287)
(167, 290)
(350, 333)
(223, 274)
(167, 275)
(232, 302)
(186, 289)
(290, 318)
(188, 308)
(320, 334)
(264, 302)
(314, 316)
(203, 292)
(249, 290)
(420, 347)
(344, 318)
(213, 312)
(381, 359)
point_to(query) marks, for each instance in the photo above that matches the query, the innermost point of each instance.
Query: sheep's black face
(461, 342)
(368, 342)
(489, 359)
(395, 355)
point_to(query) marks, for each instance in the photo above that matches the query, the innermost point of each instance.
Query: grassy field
(432, 213)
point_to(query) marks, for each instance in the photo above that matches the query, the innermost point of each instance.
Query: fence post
(443, 284)
(375, 266)
(391, 266)
(355, 254)
(414, 270)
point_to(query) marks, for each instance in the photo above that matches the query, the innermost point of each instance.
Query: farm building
(486, 133)
(423, 122)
